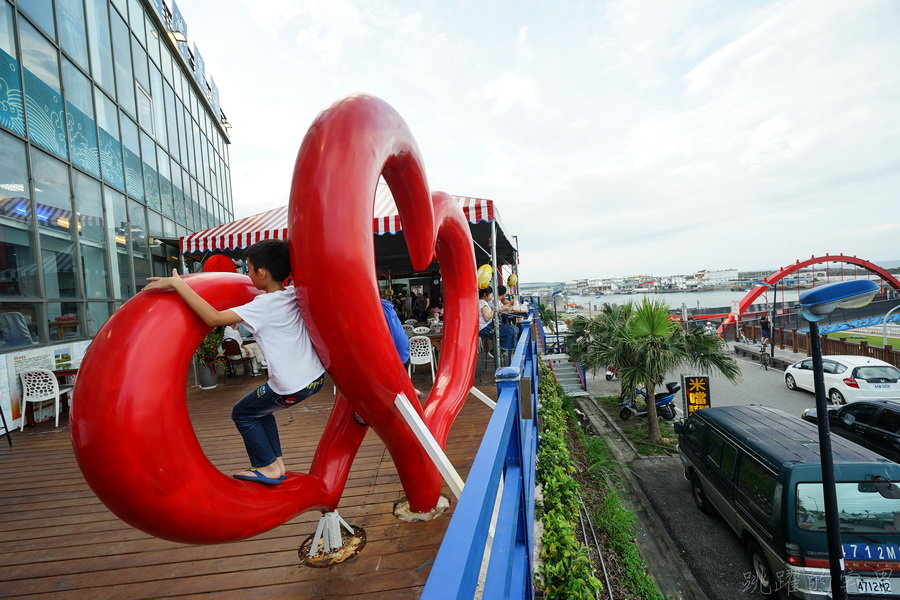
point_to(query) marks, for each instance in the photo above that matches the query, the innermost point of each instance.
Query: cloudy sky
(616, 137)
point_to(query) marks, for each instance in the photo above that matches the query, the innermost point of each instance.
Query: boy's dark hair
(501, 289)
(271, 255)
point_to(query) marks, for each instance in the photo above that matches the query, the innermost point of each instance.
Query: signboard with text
(696, 392)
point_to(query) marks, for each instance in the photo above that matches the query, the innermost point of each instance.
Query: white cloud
(508, 90)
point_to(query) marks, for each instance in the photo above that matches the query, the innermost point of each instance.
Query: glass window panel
(100, 45)
(110, 146)
(64, 321)
(122, 7)
(97, 313)
(182, 137)
(89, 211)
(122, 60)
(83, 142)
(165, 183)
(166, 62)
(171, 122)
(155, 225)
(18, 264)
(140, 249)
(53, 201)
(159, 107)
(41, 12)
(134, 173)
(12, 112)
(152, 40)
(151, 177)
(177, 193)
(70, 16)
(44, 106)
(144, 109)
(169, 228)
(139, 58)
(117, 231)
(19, 324)
(136, 18)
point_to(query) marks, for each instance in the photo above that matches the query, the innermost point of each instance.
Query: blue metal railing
(507, 454)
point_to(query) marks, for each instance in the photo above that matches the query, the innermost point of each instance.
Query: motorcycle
(665, 403)
(611, 372)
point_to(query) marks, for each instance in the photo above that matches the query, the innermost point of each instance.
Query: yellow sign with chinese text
(696, 390)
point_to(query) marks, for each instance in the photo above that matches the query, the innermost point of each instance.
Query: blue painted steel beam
(467, 534)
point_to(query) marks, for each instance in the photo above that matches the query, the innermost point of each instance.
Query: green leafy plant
(567, 570)
(208, 351)
(645, 344)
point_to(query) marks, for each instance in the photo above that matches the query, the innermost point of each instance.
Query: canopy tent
(390, 245)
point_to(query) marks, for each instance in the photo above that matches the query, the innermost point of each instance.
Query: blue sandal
(259, 478)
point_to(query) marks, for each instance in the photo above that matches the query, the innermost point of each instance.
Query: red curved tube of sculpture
(333, 256)
(131, 431)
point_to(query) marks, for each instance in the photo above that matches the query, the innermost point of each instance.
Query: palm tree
(645, 344)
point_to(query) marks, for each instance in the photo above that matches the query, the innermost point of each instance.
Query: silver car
(847, 378)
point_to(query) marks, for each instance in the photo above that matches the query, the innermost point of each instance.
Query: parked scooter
(611, 372)
(665, 403)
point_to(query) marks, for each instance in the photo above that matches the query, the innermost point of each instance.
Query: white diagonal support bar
(430, 444)
(329, 531)
(481, 396)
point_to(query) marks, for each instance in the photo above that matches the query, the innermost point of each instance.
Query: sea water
(675, 300)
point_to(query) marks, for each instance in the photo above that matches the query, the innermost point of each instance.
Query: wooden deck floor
(58, 541)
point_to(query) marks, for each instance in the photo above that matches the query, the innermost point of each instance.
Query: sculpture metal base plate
(402, 512)
(352, 545)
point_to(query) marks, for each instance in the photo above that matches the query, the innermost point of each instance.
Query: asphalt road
(708, 547)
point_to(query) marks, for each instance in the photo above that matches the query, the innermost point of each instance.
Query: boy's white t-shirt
(274, 320)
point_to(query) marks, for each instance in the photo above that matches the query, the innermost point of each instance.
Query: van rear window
(862, 509)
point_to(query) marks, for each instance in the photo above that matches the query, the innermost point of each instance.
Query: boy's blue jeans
(255, 422)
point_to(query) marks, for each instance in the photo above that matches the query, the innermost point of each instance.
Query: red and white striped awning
(272, 224)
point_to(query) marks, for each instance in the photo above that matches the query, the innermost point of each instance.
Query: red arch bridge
(860, 267)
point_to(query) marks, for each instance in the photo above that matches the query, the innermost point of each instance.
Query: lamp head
(816, 303)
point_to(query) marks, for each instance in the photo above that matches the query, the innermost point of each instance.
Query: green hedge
(567, 570)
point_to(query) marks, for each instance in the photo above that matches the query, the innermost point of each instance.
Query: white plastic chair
(420, 352)
(437, 327)
(408, 328)
(39, 386)
(421, 330)
(410, 322)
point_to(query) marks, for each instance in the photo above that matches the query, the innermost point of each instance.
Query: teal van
(759, 468)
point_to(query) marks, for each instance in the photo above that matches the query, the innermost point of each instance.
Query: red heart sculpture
(131, 431)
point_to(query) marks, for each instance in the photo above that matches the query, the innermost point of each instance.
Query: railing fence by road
(798, 341)
(492, 530)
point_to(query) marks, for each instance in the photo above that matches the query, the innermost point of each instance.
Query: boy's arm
(204, 309)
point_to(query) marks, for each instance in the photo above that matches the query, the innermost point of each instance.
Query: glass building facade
(110, 139)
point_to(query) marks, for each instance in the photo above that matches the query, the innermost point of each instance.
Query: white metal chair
(420, 352)
(408, 328)
(39, 386)
(421, 330)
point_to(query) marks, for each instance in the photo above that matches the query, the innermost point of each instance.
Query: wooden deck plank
(58, 540)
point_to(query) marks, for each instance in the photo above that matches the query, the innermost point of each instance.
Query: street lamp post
(556, 317)
(884, 326)
(813, 306)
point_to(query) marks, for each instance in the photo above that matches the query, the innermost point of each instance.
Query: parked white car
(847, 378)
